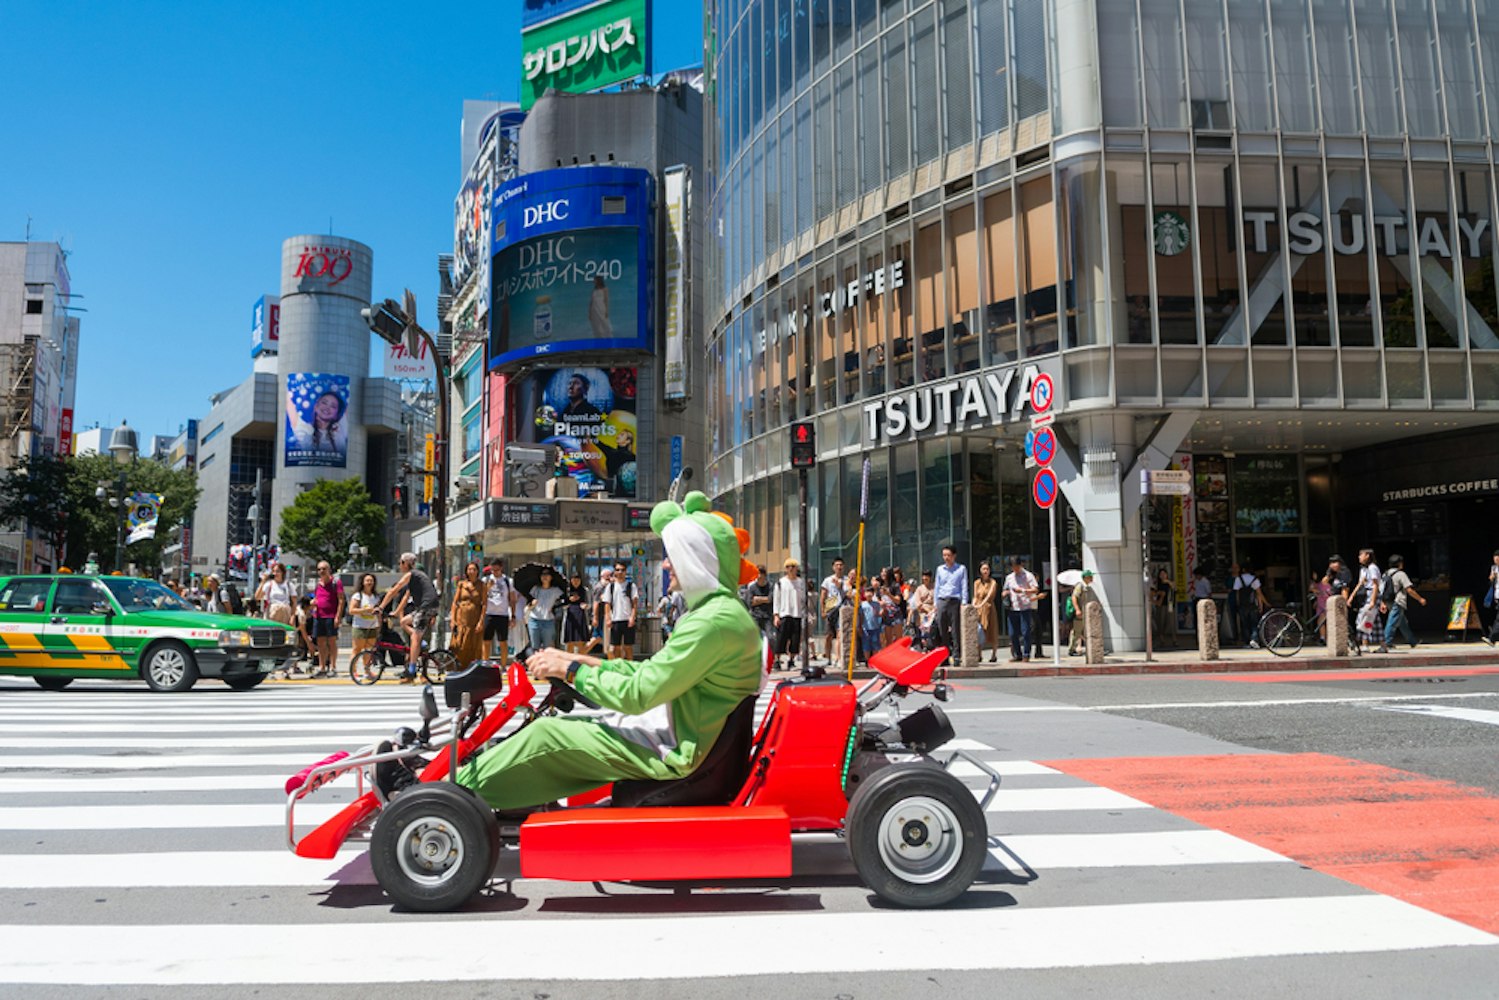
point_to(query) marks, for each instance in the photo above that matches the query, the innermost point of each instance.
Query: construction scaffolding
(17, 398)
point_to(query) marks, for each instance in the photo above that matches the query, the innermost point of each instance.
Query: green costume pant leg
(552, 758)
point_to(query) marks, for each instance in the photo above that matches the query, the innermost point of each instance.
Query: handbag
(1488, 598)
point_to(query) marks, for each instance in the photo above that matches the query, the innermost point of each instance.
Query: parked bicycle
(391, 651)
(1283, 631)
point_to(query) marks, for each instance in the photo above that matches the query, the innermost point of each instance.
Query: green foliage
(56, 497)
(37, 492)
(325, 520)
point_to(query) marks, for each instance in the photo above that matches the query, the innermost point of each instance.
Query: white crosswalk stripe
(180, 800)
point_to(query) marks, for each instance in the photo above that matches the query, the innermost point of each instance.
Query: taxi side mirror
(102, 608)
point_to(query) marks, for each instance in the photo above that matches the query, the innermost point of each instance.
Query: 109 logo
(332, 263)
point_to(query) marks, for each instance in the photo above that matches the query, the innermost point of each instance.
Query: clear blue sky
(171, 147)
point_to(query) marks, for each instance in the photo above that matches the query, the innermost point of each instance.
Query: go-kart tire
(52, 683)
(168, 667)
(917, 835)
(434, 846)
(437, 664)
(366, 668)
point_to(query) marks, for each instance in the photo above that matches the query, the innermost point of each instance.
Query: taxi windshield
(144, 595)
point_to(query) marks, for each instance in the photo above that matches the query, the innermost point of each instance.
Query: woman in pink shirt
(327, 612)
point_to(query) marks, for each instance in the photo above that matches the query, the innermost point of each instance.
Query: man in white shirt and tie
(951, 592)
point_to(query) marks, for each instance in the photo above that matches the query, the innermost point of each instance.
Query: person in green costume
(662, 714)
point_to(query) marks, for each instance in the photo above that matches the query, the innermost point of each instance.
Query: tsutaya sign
(1305, 234)
(983, 399)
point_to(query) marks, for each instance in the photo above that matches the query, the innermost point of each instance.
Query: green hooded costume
(664, 712)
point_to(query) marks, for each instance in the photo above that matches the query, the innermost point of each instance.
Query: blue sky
(172, 147)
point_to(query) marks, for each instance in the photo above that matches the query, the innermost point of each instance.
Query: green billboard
(602, 44)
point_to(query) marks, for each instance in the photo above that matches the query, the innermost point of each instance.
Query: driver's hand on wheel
(548, 664)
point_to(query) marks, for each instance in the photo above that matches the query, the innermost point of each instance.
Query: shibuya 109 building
(1251, 240)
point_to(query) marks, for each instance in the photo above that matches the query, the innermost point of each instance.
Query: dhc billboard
(572, 265)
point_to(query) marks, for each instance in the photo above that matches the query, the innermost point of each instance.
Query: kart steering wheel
(565, 696)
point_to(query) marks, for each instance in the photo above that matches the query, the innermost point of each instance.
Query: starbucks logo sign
(1171, 233)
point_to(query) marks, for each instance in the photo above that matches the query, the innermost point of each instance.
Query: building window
(210, 436)
(205, 463)
(34, 307)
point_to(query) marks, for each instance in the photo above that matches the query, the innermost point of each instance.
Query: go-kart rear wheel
(434, 846)
(917, 835)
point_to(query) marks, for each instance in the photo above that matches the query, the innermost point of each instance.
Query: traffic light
(803, 445)
(398, 502)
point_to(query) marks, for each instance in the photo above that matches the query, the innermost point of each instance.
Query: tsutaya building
(1269, 260)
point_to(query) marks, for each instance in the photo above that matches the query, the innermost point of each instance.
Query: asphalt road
(1163, 836)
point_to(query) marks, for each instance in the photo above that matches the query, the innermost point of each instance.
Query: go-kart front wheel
(434, 846)
(917, 835)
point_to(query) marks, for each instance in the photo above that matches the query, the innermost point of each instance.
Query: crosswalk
(153, 828)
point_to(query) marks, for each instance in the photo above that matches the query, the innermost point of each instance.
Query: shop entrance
(1278, 564)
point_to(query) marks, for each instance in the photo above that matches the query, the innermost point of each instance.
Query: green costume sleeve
(692, 652)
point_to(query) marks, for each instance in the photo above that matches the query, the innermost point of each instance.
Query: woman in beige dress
(467, 616)
(985, 589)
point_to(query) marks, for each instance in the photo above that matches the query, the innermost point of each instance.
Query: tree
(38, 492)
(323, 522)
(95, 524)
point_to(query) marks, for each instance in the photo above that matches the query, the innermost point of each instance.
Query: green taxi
(59, 627)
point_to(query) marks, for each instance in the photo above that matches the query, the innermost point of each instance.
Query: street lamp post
(394, 322)
(123, 446)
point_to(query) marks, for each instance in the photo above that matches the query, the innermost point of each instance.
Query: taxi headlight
(234, 638)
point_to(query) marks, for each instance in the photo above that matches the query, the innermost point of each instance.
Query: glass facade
(1263, 207)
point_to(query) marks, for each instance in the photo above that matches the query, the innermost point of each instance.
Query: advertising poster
(674, 276)
(317, 425)
(582, 284)
(589, 414)
(590, 47)
(495, 437)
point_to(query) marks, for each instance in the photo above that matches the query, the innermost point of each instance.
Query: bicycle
(392, 650)
(1283, 631)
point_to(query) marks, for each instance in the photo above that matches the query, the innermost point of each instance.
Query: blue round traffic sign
(1044, 489)
(1030, 444)
(1045, 447)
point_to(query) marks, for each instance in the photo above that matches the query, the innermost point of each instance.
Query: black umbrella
(528, 577)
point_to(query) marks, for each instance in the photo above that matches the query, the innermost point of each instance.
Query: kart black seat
(482, 680)
(716, 781)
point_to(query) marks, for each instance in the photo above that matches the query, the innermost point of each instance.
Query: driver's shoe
(392, 775)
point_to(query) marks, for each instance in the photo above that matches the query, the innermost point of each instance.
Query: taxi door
(23, 618)
(79, 629)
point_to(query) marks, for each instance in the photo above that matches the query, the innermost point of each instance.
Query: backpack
(1387, 590)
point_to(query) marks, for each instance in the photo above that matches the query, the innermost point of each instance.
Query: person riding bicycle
(419, 593)
(662, 714)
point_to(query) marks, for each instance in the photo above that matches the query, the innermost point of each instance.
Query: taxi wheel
(52, 683)
(244, 682)
(169, 666)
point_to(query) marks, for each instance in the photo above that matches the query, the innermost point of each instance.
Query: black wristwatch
(572, 671)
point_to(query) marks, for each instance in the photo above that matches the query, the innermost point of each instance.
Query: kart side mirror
(941, 692)
(429, 703)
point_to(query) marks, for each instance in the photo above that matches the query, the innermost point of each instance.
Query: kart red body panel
(659, 844)
(799, 754)
(906, 666)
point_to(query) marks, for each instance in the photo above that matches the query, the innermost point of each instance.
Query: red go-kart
(817, 763)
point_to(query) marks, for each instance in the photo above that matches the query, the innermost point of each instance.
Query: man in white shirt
(1250, 599)
(1493, 601)
(834, 598)
(622, 600)
(788, 609)
(1020, 588)
(499, 608)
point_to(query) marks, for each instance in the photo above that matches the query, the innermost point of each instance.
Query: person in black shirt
(758, 596)
(423, 599)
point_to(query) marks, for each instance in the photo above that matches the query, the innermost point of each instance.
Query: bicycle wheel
(1281, 633)
(436, 664)
(366, 668)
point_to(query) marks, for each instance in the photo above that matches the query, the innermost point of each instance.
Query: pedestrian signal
(803, 445)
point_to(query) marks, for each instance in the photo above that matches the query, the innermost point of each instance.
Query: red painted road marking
(1431, 843)
(1312, 676)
